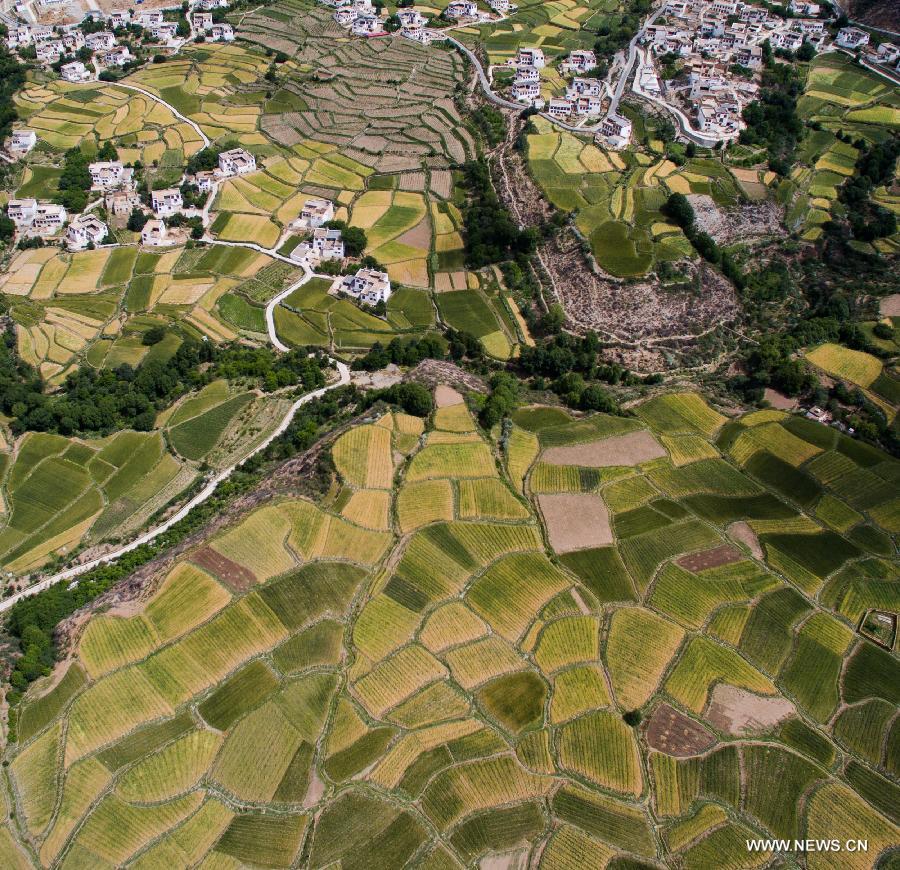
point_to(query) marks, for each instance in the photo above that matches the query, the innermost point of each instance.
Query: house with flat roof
(615, 131)
(223, 32)
(75, 71)
(110, 174)
(237, 161)
(368, 286)
(120, 203)
(85, 230)
(100, 41)
(49, 219)
(166, 202)
(852, 38)
(156, 235)
(316, 212)
(530, 57)
(22, 141)
(324, 244)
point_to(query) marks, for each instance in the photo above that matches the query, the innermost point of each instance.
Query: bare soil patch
(672, 732)
(386, 377)
(432, 372)
(742, 532)
(739, 712)
(724, 554)
(445, 396)
(235, 577)
(751, 220)
(779, 400)
(441, 182)
(575, 521)
(630, 449)
(890, 305)
(418, 237)
(412, 181)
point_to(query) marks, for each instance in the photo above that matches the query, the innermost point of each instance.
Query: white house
(530, 57)
(587, 105)
(120, 203)
(526, 92)
(208, 5)
(801, 7)
(345, 17)
(75, 72)
(411, 18)
(149, 18)
(221, 33)
(18, 35)
(461, 9)
(73, 40)
(22, 211)
(324, 244)
(417, 33)
(85, 229)
(852, 37)
(166, 202)
(615, 131)
(22, 141)
(155, 235)
(118, 55)
(527, 74)
(316, 212)
(202, 21)
(119, 18)
(559, 108)
(110, 174)
(367, 25)
(787, 40)
(580, 61)
(584, 88)
(368, 285)
(101, 41)
(888, 52)
(205, 180)
(503, 7)
(237, 161)
(48, 219)
(51, 51)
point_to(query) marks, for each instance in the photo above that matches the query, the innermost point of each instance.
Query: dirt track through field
(630, 449)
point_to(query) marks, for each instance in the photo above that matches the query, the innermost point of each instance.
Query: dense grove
(12, 77)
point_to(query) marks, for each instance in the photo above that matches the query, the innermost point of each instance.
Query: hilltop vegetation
(601, 639)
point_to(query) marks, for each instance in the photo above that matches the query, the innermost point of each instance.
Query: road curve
(270, 308)
(199, 498)
(169, 106)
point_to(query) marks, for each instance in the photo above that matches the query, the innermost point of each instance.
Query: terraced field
(839, 96)
(405, 674)
(618, 197)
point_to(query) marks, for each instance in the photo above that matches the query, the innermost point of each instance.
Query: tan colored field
(575, 521)
(630, 449)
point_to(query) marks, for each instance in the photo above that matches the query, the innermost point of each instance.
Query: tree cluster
(772, 120)
(491, 234)
(354, 238)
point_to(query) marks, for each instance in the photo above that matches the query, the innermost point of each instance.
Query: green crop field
(572, 640)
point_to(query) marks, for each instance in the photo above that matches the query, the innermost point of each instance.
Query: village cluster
(362, 19)
(718, 48)
(99, 50)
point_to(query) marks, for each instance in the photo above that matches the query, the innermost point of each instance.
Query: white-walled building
(202, 21)
(50, 51)
(852, 38)
(100, 41)
(110, 174)
(85, 230)
(22, 141)
(221, 33)
(21, 211)
(368, 285)
(580, 61)
(461, 9)
(156, 235)
(367, 25)
(120, 203)
(75, 71)
(237, 161)
(615, 131)
(324, 244)
(316, 212)
(118, 55)
(166, 202)
(530, 57)
(801, 7)
(49, 219)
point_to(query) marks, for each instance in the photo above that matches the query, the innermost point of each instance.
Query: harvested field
(722, 555)
(576, 521)
(632, 448)
(742, 532)
(445, 397)
(739, 712)
(236, 577)
(672, 732)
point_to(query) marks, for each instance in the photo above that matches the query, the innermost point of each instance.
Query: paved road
(270, 308)
(169, 106)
